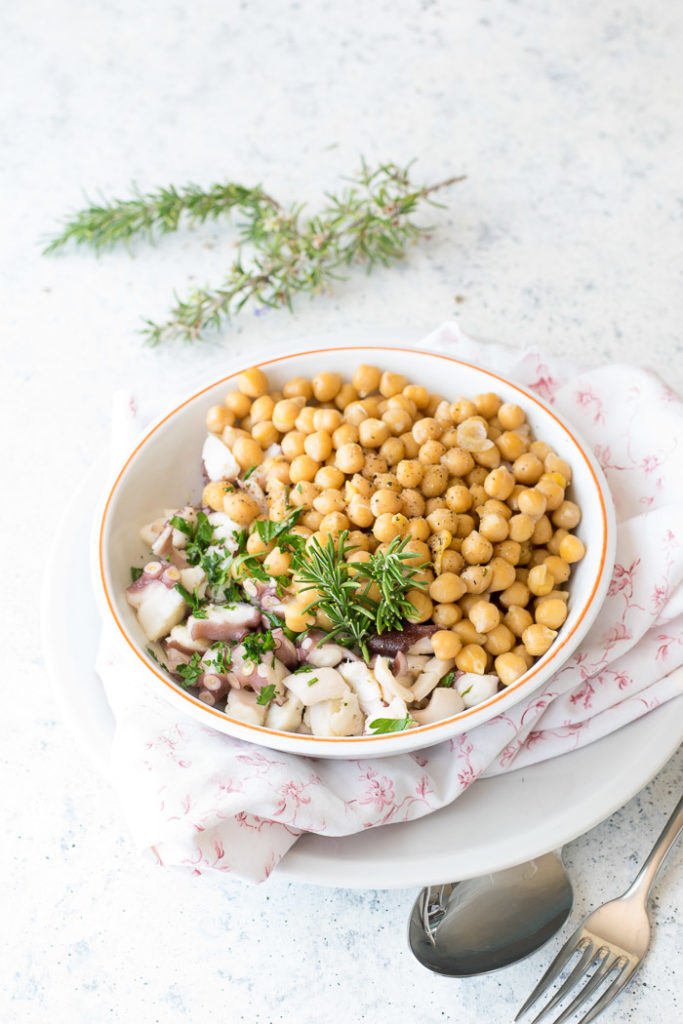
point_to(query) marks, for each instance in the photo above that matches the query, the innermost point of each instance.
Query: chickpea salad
(366, 556)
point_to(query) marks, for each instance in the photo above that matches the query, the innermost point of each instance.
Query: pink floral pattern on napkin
(202, 800)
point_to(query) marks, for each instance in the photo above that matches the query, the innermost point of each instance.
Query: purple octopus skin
(164, 542)
(158, 574)
(389, 644)
(285, 650)
(212, 688)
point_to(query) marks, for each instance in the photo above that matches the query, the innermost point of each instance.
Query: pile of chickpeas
(482, 502)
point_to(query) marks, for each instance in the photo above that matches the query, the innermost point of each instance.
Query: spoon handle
(646, 876)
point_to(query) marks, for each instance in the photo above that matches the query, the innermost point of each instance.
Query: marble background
(566, 119)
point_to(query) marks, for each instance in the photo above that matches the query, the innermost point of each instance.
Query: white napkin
(197, 798)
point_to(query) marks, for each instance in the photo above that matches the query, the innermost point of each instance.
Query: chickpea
(417, 394)
(409, 473)
(537, 639)
(399, 421)
(476, 550)
(567, 515)
(326, 386)
(446, 644)
(478, 496)
(213, 494)
(484, 616)
(252, 382)
(434, 481)
(277, 472)
(552, 490)
(572, 549)
(346, 394)
(427, 429)
(240, 507)
(499, 483)
(277, 563)
(509, 667)
(551, 612)
(509, 550)
(366, 379)
(330, 500)
(459, 498)
(410, 445)
(303, 467)
(393, 450)
(262, 409)
(286, 412)
(373, 433)
(476, 578)
(333, 523)
(521, 527)
(443, 519)
(218, 418)
(487, 404)
(462, 409)
(318, 445)
(392, 383)
(422, 604)
(510, 416)
(558, 536)
(466, 525)
(511, 445)
(305, 420)
(447, 588)
(452, 561)
(446, 615)
(256, 546)
(247, 452)
(238, 404)
(312, 519)
(532, 503)
(298, 387)
(330, 420)
(265, 433)
(554, 464)
(374, 465)
(472, 658)
(293, 444)
(350, 458)
(559, 569)
(449, 438)
(543, 531)
(527, 468)
(517, 619)
(418, 528)
(499, 640)
(502, 574)
(540, 580)
(494, 527)
(385, 501)
(296, 618)
(430, 453)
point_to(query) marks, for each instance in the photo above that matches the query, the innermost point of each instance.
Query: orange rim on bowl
(523, 681)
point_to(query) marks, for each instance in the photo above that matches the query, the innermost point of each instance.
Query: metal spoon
(482, 924)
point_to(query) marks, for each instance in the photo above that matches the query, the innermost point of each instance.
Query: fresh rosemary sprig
(103, 225)
(280, 253)
(346, 588)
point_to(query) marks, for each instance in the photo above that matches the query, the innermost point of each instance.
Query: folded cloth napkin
(197, 798)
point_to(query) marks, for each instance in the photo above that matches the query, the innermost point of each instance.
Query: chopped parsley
(448, 679)
(135, 573)
(193, 599)
(266, 695)
(252, 469)
(279, 623)
(302, 668)
(310, 682)
(384, 725)
(257, 644)
(191, 672)
(222, 658)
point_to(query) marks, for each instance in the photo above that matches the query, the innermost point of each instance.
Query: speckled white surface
(567, 234)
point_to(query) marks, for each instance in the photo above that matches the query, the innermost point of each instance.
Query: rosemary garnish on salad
(360, 598)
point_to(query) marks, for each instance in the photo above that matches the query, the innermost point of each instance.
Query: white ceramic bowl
(164, 471)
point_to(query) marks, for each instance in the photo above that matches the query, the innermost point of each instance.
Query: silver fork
(614, 938)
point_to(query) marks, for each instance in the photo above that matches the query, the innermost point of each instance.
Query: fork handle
(650, 869)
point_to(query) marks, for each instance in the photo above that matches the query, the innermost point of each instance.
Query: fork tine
(603, 969)
(611, 992)
(569, 982)
(571, 946)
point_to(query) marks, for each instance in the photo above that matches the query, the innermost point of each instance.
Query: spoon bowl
(482, 924)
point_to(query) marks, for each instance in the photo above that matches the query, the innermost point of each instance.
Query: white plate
(496, 823)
